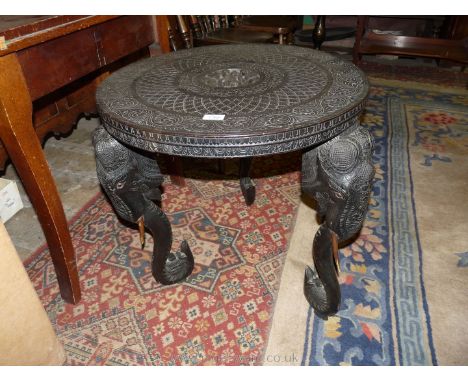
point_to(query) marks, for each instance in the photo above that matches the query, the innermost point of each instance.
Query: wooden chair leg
(319, 32)
(22, 144)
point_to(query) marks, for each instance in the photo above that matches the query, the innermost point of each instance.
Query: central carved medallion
(231, 78)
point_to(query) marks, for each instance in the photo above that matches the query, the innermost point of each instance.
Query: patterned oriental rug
(221, 314)
(403, 280)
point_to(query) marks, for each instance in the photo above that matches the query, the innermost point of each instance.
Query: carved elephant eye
(120, 185)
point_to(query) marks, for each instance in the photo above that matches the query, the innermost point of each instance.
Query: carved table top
(232, 100)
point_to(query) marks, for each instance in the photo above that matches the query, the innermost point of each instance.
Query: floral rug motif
(221, 314)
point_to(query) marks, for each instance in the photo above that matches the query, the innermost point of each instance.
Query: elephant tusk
(334, 238)
(141, 229)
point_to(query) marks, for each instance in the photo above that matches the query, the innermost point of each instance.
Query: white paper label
(213, 117)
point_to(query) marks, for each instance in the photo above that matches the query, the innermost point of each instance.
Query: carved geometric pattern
(193, 95)
(274, 98)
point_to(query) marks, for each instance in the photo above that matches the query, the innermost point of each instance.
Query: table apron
(231, 151)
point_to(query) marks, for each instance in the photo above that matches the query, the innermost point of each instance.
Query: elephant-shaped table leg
(338, 174)
(131, 180)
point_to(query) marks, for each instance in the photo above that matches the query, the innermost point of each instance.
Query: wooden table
(49, 69)
(239, 101)
(453, 47)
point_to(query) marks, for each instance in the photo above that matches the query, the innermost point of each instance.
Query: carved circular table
(242, 101)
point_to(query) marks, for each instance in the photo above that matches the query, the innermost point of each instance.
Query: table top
(232, 100)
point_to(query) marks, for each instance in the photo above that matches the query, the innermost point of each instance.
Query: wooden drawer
(55, 63)
(120, 37)
(58, 62)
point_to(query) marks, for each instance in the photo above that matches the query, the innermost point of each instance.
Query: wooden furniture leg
(176, 170)
(319, 33)
(246, 184)
(131, 180)
(20, 140)
(360, 29)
